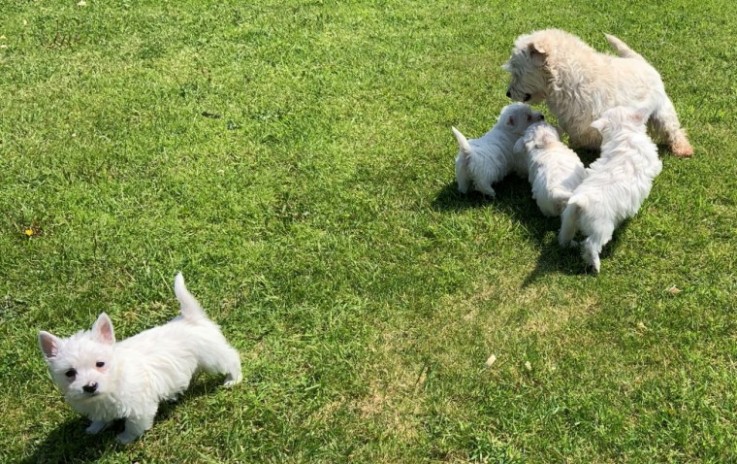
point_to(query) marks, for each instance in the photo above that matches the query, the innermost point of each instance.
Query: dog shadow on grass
(69, 442)
(514, 199)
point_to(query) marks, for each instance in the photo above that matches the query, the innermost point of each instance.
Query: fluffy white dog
(554, 169)
(105, 380)
(615, 185)
(490, 158)
(579, 84)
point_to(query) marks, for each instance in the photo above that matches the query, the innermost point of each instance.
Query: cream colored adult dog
(579, 84)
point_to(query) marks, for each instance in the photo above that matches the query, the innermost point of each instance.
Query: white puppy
(105, 380)
(490, 158)
(554, 169)
(579, 84)
(615, 185)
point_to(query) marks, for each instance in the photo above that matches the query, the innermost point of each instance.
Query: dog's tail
(622, 49)
(561, 195)
(569, 221)
(189, 306)
(463, 144)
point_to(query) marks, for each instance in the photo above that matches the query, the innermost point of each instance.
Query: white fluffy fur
(616, 184)
(490, 158)
(138, 372)
(579, 84)
(554, 169)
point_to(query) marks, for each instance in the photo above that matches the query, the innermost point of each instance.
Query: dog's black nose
(509, 94)
(90, 387)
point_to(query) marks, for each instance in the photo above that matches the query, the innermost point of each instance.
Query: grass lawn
(294, 160)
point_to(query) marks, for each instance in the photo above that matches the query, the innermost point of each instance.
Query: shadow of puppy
(69, 442)
(514, 199)
(554, 258)
(450, 199)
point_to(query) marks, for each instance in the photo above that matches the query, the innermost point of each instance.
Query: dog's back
(555, 172)
(173, 352)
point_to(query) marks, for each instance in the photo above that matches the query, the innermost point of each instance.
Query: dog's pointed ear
(49, 344)
(102, 329)
(537, 52)
(463, 144)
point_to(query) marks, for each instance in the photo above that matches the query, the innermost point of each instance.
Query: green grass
(295, 161)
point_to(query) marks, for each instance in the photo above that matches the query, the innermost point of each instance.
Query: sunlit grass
(295, 161)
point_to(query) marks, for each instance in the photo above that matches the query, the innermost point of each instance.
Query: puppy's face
(517, 117)
(80, 365)
(540, 135)
(529, 76)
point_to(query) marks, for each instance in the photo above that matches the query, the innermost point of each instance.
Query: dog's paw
(592, 269)
(96, 427)
(682, 148)
(231, 381)
(126, 437)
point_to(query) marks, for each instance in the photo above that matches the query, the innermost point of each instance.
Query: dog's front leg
(136, 425)
(97, 427)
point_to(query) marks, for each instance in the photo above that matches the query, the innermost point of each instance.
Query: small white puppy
(554, 169)
(615, 185)
(490, 158)
(105, 380)
(579, 84)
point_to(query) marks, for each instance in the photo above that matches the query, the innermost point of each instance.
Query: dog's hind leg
(590, 254)
(486, 190)
(592, 247)
(232, 364)
(568, 225)
(462, 177)
(221, 358)
(664, 121)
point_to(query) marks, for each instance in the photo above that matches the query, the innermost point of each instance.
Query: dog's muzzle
(526, 99)
(90, 388)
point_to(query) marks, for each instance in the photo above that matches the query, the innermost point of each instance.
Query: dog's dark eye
(100, 364)
(71, 373)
